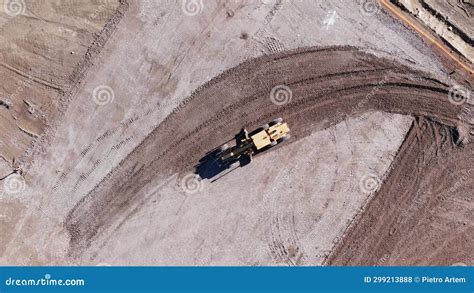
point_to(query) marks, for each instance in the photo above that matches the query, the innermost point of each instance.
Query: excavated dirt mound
(324, 85)
(423, 213)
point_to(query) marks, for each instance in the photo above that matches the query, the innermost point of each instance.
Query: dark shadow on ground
(209, 165)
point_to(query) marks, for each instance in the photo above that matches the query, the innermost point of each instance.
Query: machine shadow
(209, 166)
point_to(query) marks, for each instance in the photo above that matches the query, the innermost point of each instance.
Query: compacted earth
(107, 108)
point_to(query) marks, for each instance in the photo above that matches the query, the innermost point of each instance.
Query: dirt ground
(107, 182)
(423, 213)
(264, 222)
(450, 19)
(324, 90)
(43, 44)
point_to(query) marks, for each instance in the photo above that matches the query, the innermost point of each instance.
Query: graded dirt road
(325, 85)
(423, 213)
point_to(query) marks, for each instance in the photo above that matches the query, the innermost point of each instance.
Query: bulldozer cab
(267, 136)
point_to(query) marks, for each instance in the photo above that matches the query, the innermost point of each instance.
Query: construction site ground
(378, 170)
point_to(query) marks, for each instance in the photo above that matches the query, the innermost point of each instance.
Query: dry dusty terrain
(44, 45)
(327, 84)
(109, 177)
(450, 19)
(423, 213)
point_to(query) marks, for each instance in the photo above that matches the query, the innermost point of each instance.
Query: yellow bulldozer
(239, 151)
(259, 140)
